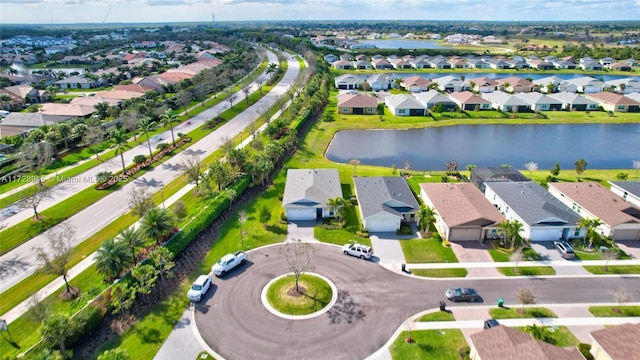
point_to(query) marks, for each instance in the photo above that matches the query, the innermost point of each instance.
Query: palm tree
(168, 118)
(426, 216)
(64, 130)
(590, 225)
(112, 258)
(156, 224)
(511, 230)
(271, 69)
(145, 125)
(131, 239)
(120, 141)
(242, 219)
(337, 204)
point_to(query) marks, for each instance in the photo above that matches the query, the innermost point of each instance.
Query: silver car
(564, 249)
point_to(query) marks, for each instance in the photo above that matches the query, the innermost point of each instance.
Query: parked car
(488, 324)
(358, 250)
(229, 262)
(462, 294)
(564, 249)
(199, 288)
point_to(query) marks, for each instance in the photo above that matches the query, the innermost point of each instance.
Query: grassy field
(514, 313)
(440, 273)
(427, 251)
(527, 270)
(615, 311)
(429, 344)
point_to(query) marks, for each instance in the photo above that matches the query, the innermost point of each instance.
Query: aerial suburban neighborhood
(326, 189)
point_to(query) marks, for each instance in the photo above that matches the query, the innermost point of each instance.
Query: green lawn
(514, 313)
(438, 316)
(427, 251)
(315, 294)
(500, 256)
(613, 269)
(429, 344)
(440, 273)
(615, 311)
(527, 270)
(561, 336)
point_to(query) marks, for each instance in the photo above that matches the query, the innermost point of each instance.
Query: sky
(152, 11)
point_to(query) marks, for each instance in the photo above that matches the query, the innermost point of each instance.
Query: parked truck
(229, 262)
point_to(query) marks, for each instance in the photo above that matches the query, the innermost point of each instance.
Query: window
(577, 232)
(369, 109)
(574, 206)
(621, 107)
(401, 111)
(625, 195)
(345, 109)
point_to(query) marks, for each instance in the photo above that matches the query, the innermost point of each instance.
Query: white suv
(199, 288)
(357, 250)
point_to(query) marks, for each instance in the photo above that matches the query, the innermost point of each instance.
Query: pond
(403, 44)
(603, 146)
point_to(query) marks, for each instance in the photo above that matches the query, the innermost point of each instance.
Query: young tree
(246, 90)
(156, 224)
(179, 210)
(555, 170)
(622, 176)
(298, 256)
(36, 157)
(231, 98)
(112, 258)
(511, 231)
(145, 125)
(131, 239)
(336, 205)
(146, 276)
(231, 195)
(167, 119)
(531, 166)
(93, 136)
(636, 166)
(56, 330)
(526, 296)
(541, 333)
(242, 219)
(516, 256)
(354, 163)
(259, 81)
(32, 198)
(622, 297)
(140, 200)
(265, 215)
(611, 254)
(162, 260)
(56, 258)
(191, 167)
(123, 296)
(581, 166)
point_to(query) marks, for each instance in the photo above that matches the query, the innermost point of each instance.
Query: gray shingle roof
(310, 187)
(632, 187)
(533, 204)
(389, 194)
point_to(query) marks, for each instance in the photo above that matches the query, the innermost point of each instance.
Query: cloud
(110, 2)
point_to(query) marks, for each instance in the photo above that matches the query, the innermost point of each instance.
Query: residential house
(555, 84)
(620, 66)
(362, 57)
(518, 64)
(499, 64)
(634, 96)
(587, 84)
(357, 104)
(515, 84)
(467, 100)
(19, 123)
(307, 191)
(415, 83)
(618, 342)
(362, 65)
(76, 82)
(458, 63)
(21, 94)
(540, 64)
(343, 65)
(631, 62)
(478, 64)
(573, 101)
(420, 63)
(404, 105)
(331, 58)
(590, 65)
(381, 64)
(432, 98)
(607, 61)
(346, 57)
(483, 84)
(400, 64)
(624, 85)
(627, 190)
(462, 211)
(481, 175)
(503, 342)
(540, 102)
(621, 220)
(70, 110)
(543, 217)
(439, 63)
(385, 202)
(450, 84)
(506, 102)
(615, 102)
(348, 82)
(564, 64)
(380, 82)
(94, 100)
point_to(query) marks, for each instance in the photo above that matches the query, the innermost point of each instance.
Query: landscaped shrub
(103, 176)
(405, 229)
(139, 159)
(283, 218)
(162, 146)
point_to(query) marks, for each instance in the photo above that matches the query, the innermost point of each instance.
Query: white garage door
(625, 234)
(464, 234)
(546, 234)
(382, 225)
(301, 214)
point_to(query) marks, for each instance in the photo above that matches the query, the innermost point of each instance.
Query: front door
(319, 214)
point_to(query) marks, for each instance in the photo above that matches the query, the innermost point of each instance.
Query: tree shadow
(345, 309)
(276, 229)
(12, 266)
(149, 335)
(147, 182)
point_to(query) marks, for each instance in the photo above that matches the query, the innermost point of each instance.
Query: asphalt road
(233, 321)
(20, 262)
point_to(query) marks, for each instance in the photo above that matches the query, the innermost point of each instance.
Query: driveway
(386, 247)
(372, 303)
(630, 247)
(474, 251)
(549, 253)
(302, 230)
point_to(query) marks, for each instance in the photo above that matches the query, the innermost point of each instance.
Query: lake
(603, 146)
(403, 44)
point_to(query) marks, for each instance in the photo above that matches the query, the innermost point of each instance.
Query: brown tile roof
(503, 342)
(601, 202)
(67, 109)
(461, 204)
(612, 98)
(93, 100)
(133, 87)
(515, 80)
(620, 342)
(175, 77)
(119, 94)
(468, 97)
(416, 80)
(357, 100)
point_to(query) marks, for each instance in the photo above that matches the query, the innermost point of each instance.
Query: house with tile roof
(618, 342)
(467, 100)
(515, 84)
(404, 105)
(573, 101)
(587, 84)
(19, 123)
(621, 220)
(357, 104)
(483, 84)
(462, 211)
(415, 83)
(76, 82)
(506, 102)
(72, 110)
(348, 82)
(343, 65)
(540, 102)
(503, 342)
(385, 202)
(433, 98)
(307, 191)
(362, 65)
(614, 102)
(381, 64)
(628, 190)
(543, 216)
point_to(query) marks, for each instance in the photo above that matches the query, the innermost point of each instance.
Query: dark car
(488, 324)
(462, 294)
(564, 249)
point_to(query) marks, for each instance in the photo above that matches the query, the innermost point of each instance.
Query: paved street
(21, 262)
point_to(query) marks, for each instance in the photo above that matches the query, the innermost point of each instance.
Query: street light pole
(162, 194)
